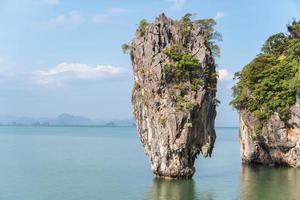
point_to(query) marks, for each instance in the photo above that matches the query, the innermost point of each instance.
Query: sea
(108, 163)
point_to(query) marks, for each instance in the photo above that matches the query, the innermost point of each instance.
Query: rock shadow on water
(172, 189)
(261, 182)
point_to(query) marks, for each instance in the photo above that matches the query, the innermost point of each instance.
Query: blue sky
(63, 56)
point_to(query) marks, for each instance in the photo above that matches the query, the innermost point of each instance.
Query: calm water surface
(86, 163)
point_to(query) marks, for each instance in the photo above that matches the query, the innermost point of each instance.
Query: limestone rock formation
(278, 143)
(267, 95)
(173, 99)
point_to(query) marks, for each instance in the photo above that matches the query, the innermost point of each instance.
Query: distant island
(63, 120)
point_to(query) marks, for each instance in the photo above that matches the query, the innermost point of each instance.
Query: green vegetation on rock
(126, 48)
(268, 84)
(206, 28)
(142, 27)
(185, 24)
(182, 70)
(181, 67)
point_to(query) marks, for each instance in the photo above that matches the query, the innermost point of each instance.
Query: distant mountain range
(62, 120)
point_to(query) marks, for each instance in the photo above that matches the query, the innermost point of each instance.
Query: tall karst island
(174, 94)
(268, 97)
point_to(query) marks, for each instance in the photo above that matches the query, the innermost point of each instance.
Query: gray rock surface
(172, 139)
(278, 143)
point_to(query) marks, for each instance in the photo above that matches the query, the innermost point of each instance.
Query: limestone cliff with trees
(267, 96)
(174, 94)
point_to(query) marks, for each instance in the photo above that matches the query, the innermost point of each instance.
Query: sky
(63, 56)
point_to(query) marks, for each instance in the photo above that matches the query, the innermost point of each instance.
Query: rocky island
(267, 96)
(174, 94)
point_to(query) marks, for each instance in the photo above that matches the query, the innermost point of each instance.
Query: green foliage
(294, 29)
(268, 84)
(275, 44)
(187, 17)
(126, 48)
(182, 103)
(185, 24)
(212, 78)
(206, 27)
(196, 82)
(181, 67)
(181, 71)
(179, 103)
(189, 105)
(182, 86)
(258, 128)
(142, 27)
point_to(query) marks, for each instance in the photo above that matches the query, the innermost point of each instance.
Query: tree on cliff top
(268, 83)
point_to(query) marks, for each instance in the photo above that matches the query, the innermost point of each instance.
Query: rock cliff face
(174, 116)
(278, 142)
(267, 95)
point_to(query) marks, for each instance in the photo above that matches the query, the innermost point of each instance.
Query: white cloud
(176, 4)
(107, 15)
(72, 19)
(66, 72)
(219, 15)
(225, 75)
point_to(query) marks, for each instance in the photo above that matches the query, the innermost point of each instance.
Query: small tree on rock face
(187, 17)
(276, 44)
(206, 26)
(181, 66)
(142, 27)
(126, 48)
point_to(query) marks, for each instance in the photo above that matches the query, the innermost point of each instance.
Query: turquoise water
(88, 163)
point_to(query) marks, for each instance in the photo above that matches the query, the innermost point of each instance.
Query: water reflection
(269, 183)
(162, 189)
